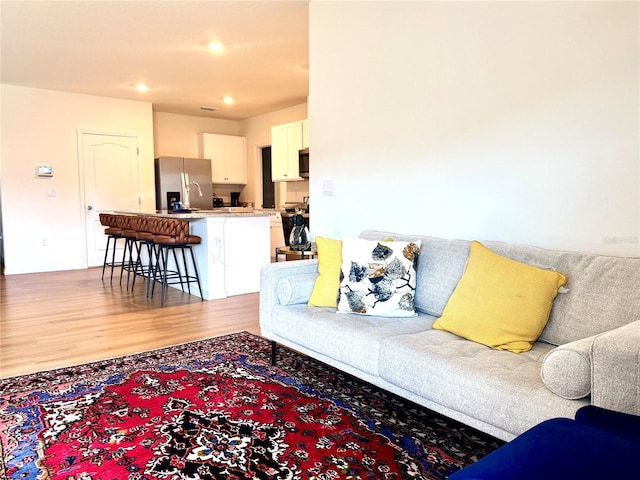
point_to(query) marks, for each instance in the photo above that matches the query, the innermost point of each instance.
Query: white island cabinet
(232, 252)
(235, 245)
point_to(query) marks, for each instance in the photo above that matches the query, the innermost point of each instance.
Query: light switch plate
(327, 188)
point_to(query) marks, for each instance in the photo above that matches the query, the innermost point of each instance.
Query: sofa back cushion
(440, 266)
(603, 291)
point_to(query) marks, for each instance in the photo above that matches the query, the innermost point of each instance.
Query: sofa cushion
(494, 386)
(351, 339)
(325, 290)
(499, 302)
(603, 291)
(378, 277)
(295, 289)
(566, 370)
(439, 268)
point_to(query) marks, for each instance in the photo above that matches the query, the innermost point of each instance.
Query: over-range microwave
(303, 158)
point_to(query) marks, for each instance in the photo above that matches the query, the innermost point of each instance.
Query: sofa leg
(274, 346)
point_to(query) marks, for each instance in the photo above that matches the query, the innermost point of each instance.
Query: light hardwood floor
(57, 319)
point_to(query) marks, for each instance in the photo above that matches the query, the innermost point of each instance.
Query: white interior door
(111, 181)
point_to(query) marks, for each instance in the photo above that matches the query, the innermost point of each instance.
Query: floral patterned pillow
(378, 277)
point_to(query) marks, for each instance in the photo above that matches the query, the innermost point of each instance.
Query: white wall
(41, 127)
(257, 130)
(515, 121)
(181, 135)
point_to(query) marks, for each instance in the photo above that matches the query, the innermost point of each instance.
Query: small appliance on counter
(217, 202)
(173, 198)
(235, 199)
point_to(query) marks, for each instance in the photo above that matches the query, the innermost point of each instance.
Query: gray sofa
(589, 352)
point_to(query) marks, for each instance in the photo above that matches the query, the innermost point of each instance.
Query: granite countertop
(197, 214)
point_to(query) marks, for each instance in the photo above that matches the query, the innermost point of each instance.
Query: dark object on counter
(218, 202)
(172, 198)
(235, 199)
(181, 210)
(287, 224)
(299, 239)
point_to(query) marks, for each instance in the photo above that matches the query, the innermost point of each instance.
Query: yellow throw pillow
(325, 289)
(500, 302)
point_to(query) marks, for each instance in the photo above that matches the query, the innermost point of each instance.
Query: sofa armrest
(566, 370)
(615, 369)
(270, 277)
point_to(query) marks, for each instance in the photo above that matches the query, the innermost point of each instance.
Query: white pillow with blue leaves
(378, 277)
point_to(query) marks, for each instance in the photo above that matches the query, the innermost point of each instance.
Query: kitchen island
(235, 245)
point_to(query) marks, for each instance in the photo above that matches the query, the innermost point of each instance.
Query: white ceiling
(106, 47)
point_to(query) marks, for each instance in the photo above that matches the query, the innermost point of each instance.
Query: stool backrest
(182, 231)
(109, 219)
(124, 221)
(161, 226)
(140, 223)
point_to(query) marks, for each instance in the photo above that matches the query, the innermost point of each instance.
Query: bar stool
(144, 238)
(113, 232)
(170, 235)
(158, 228)
(127, 226)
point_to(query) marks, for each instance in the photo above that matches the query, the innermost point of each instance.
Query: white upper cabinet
(228, 158)
(286, 142)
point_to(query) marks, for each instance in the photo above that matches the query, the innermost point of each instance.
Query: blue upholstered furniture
(599, 444)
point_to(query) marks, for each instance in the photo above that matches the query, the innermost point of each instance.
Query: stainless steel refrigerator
(186, 180)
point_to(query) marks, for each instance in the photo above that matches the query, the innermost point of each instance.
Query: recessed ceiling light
(228, 100)
(141, 87)
(216, 46)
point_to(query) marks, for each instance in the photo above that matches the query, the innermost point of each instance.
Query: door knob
(89, 207)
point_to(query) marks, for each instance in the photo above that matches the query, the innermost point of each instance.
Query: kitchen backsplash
(296, 191)
(224, 192)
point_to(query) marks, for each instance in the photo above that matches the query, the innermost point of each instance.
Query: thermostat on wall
(44, 171)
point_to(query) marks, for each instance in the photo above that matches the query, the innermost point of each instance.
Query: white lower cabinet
(276, 233)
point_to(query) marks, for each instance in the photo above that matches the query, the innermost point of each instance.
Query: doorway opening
(268, 187)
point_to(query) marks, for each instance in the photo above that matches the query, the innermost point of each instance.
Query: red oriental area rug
(217, 409)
